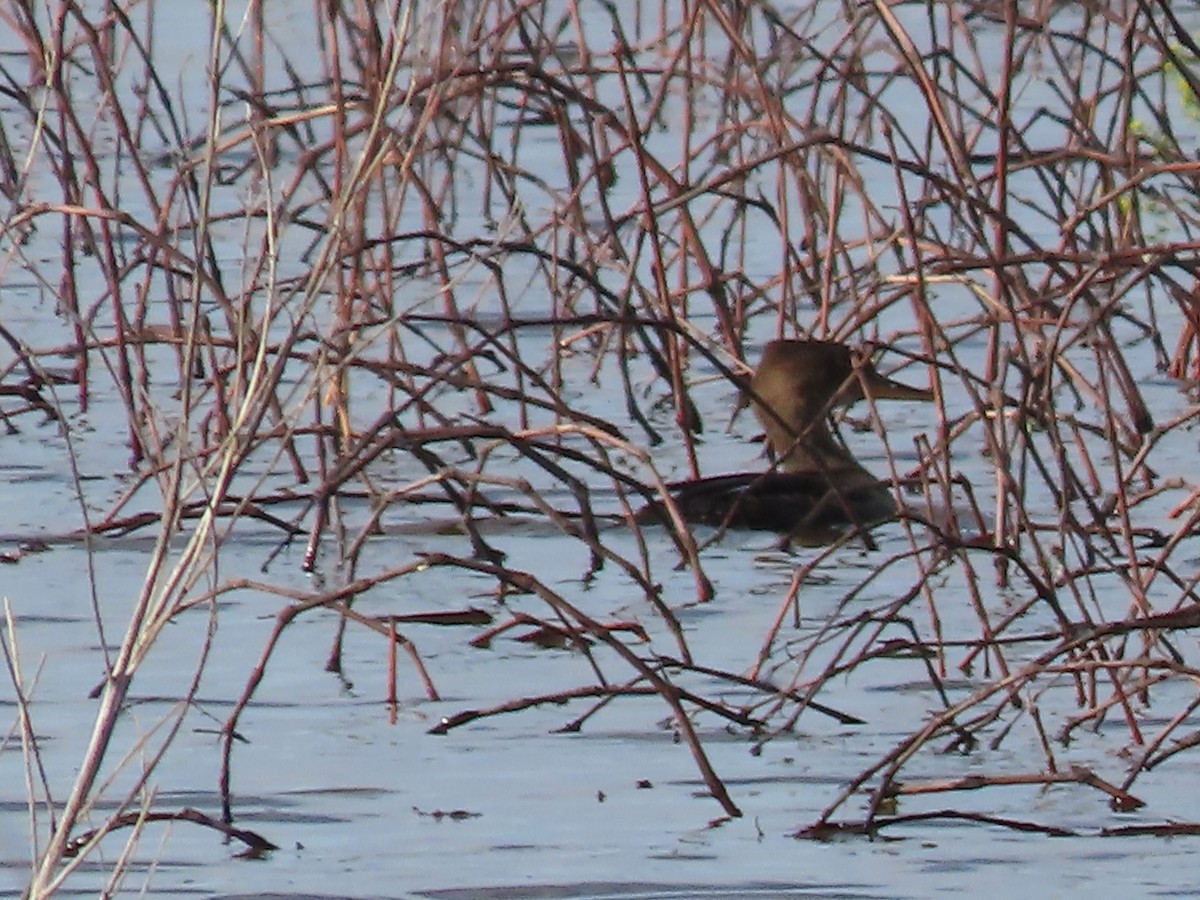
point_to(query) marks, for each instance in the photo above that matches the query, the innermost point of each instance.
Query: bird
(816, 489)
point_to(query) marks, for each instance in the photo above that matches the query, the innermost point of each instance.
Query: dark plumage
(818, 488)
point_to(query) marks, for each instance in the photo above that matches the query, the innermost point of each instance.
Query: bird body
(817, 487)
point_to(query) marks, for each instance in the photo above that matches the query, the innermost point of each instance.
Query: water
(579, 795)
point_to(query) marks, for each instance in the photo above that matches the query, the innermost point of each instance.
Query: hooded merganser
(817, 489)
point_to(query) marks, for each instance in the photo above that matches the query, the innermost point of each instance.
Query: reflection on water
(349, 796)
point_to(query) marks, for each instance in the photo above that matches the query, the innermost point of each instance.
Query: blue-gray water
(359, 804)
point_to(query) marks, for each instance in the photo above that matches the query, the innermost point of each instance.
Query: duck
(816, 489)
